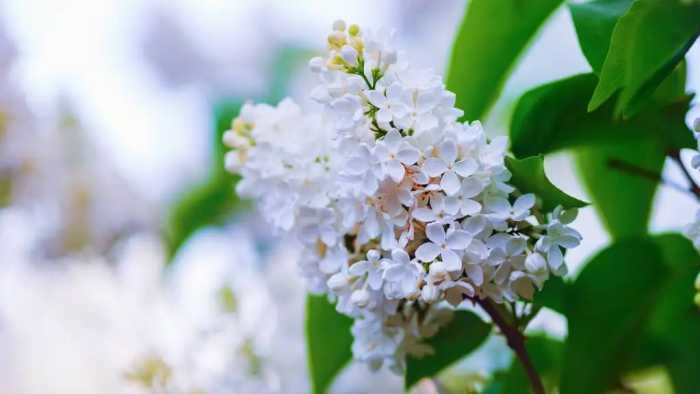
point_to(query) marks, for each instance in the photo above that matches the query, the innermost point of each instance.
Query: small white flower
(373, 267)
(444, 165)
(390, 103)
(445, 245)
(393, 153)
(402, 276)
(558, 236)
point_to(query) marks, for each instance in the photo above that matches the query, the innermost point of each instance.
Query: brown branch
(650, 175)
(675, 155)
(516, 341)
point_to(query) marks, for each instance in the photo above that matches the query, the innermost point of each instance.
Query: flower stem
(516, 341)
(632, 169)
(675, 155)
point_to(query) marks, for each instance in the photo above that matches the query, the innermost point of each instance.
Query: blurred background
(126, 261)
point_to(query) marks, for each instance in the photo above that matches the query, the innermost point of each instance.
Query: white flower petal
(395, 170)
(466, 167)
(450, 183)
(458, 240)
(452, 261)
(408, 155)
(427, 252)
(376, 97)
(524, 202)
(448, 151)
(435, 233)
(475, 273)
(424, 215)
(434, 167)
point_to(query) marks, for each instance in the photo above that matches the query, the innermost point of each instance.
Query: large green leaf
(328, 341)
(212, 200)
(595, 22)
(554, 117)
(647, 43)
(457, 339)
(529, 177)
(491, 37)
(607, 308)
(553, 294)
(623, 199)
(675, 322)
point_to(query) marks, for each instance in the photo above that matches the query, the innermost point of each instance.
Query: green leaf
(675, 322)
(328, 341)
(491, 37)
(546, 355)
(553, 116)
(594, 22)
(457, 339)
(553, 294)
(529, 177)
(210, 201)
(622, 199)
(608, 306)
(646, 45)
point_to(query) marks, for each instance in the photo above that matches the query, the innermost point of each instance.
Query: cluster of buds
(404, 213)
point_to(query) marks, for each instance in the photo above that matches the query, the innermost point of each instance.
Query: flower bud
(349, 54)
(360, 297)
(697, 299)
(339, 25)
(354, 30)
(535, 262)
(338, 281)
(336, 40)
(316, 64)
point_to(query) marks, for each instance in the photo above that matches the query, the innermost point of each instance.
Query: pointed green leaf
(594, 22)
(553, 116)
(492, 36)
(646, 45)
(529, 177)
(328, 341)
(457, 339)
(675, 322)
(607, 309)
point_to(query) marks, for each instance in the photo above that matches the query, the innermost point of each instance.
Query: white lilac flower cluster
(401, 209)
(692, 230)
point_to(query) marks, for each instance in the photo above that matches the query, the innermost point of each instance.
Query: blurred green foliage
(491, 37)
(328, 342)
(213, 201)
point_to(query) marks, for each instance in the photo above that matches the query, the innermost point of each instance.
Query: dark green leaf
(608, 306)
(553, 117)
(622, 198)
(457, 339)
(491, 37)
(529, 177)
(328, 341)
(647, 43)
(553, 294)
(595, 22)
(210, 201)
(675, 322)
